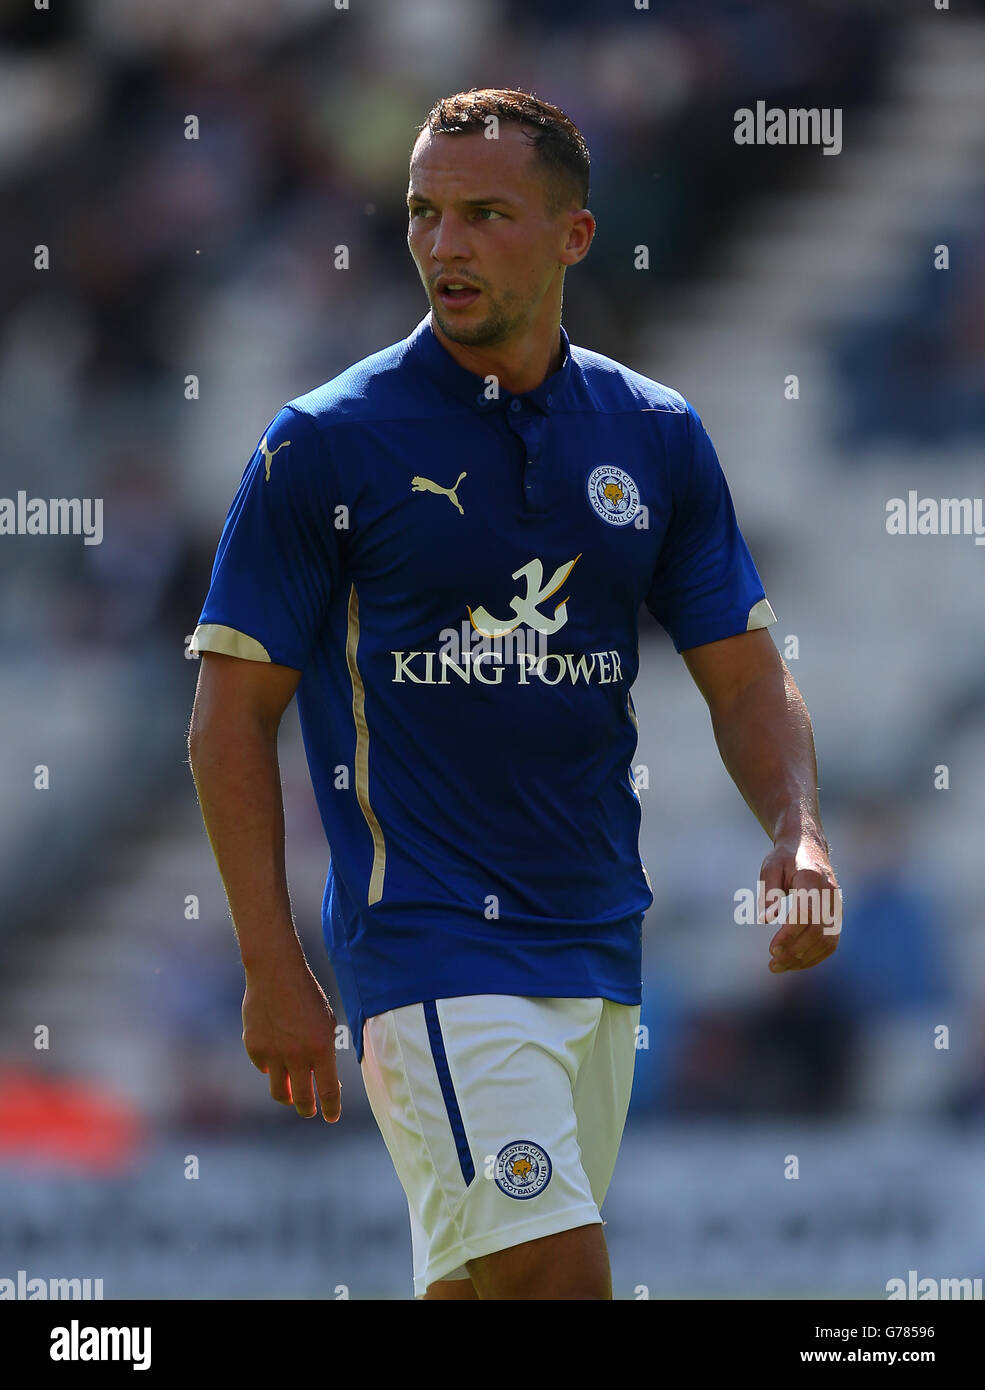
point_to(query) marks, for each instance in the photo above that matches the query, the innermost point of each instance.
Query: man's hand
(289, 1033)
(764, 735)
(810, 933)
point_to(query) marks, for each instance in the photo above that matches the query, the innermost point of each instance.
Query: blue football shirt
(457, 573)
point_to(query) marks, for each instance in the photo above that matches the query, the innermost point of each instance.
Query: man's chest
(500, 522)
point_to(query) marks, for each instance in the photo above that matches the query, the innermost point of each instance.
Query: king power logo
(525, 606)
(487, 647)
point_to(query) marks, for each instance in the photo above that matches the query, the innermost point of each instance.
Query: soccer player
(443, 552)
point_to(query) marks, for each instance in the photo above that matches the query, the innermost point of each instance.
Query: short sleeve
(277, 564)
(705, 585)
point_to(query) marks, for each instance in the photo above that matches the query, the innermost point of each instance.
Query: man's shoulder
(616, 387)
(377, 386)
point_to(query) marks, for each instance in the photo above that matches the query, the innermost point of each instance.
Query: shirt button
(550, 400)
(514, 405)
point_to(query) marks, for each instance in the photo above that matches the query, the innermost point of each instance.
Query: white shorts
(503, 1115)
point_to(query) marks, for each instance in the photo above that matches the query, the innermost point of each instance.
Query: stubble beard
(497, 327)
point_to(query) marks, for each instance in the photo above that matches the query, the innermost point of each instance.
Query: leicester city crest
(522, 1169)
(613, 494)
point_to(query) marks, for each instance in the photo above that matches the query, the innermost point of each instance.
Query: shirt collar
(470, 388)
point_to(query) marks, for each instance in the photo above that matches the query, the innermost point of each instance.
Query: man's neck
(517, 366)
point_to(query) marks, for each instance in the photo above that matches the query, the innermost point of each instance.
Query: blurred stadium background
(214, 257)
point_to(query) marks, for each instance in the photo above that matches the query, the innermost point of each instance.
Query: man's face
(478, 218)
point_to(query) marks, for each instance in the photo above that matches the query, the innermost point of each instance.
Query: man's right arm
(288, 1024)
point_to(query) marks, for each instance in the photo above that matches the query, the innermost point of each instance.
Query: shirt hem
(717, 632)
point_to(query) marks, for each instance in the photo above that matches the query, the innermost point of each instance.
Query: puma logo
(268, 456)
(420, 484)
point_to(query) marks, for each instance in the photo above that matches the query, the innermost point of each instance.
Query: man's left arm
(764, 735)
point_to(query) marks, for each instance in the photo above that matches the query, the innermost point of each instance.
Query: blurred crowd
(917, 371)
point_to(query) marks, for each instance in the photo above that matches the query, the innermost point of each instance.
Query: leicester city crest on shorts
(522, 1169)
(613, 494)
